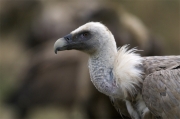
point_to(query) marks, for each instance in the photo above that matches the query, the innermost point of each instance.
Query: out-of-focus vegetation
(40, 84)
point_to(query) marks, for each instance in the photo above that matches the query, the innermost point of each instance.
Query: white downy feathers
(126, 74)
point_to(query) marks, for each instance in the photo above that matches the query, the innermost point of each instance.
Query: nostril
(67, 38)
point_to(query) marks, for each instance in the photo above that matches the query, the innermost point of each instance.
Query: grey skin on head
(139, 87)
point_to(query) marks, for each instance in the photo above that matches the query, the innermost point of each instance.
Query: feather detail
(127, 76)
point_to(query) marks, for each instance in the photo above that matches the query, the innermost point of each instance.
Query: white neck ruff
(126, 74)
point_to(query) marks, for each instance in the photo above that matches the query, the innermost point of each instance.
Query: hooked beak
(62, 43)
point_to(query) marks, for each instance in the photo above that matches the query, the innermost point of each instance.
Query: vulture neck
(100, 67)
(116, 73)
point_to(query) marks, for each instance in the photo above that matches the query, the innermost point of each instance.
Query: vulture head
(105, 60)
(89, 38)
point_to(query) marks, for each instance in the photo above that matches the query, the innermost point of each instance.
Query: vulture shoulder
(157, 63)
(161, 86)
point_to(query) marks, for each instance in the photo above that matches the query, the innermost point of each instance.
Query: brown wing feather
(157, 63)
(153, 87)
(162, 85)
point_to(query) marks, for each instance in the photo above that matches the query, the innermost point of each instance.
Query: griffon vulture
(139, 87)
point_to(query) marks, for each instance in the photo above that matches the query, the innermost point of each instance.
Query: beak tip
(55, 51)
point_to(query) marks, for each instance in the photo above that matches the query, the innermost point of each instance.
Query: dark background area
(37, 84)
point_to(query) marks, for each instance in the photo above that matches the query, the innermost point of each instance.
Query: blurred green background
(37, 84)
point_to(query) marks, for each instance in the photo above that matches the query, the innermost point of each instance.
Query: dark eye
(84, 35)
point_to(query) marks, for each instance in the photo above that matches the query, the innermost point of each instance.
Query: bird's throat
(100, 68)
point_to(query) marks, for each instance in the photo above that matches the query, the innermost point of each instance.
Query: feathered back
(127, 75)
